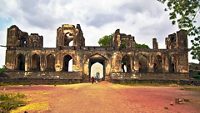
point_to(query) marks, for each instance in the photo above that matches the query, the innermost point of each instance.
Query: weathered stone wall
(33, 57)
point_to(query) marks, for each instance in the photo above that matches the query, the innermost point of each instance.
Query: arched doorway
(36, 62)
(67, 63)
(21, 62)
(126, 64)
(97, 68)
(99, 62)
(50, 63)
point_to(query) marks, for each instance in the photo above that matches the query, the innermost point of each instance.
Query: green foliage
(9, 101)
(2, 70)
(144, 46)
(105, 40)
(184, 13)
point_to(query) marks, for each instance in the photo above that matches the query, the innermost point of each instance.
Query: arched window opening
(21, 62)
(68, 39)
(71, 43)
(125, 64)
(50, 63)
(67, 63)
(22, 42)
(36, 62)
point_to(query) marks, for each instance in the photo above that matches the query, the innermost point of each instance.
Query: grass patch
(32, 107)
(148, 84)
(9, 101)
(191, 88)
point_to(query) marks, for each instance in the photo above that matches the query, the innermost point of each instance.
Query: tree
(107, 39)
(184, 14)
(144, 46)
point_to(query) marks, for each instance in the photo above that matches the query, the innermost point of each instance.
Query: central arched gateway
(97, 59)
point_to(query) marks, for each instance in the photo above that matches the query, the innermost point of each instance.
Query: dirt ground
(105, 97)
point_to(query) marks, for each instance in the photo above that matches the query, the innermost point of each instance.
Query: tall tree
(184, 14)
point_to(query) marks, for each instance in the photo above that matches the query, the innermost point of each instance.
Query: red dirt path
(109, 98)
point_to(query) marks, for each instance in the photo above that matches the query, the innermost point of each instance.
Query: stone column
(58, 62)
(155, 43)
(165, 64)
(42, 62)
(27, 62)
(151, 63)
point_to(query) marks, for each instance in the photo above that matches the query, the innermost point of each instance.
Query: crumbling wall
(26, 53)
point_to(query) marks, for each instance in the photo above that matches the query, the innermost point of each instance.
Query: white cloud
(140, 18)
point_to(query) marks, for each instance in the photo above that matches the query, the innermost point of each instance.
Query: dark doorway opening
(126, 64)
(50, 63)
(36, 62)
(21, 62)
(67, 63)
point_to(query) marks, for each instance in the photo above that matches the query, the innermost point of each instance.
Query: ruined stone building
(26, 55)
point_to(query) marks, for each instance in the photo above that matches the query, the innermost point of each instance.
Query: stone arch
(35, 62)
(97, 58)
(67, 59)
(50, 62)
(143, 63)
(126, 64)
(20, 62)
(157, 67)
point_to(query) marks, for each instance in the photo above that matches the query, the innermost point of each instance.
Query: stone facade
(26, 53)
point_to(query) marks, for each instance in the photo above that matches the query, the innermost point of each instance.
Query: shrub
(2, 70)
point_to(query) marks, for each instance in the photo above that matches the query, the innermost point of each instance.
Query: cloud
(102, 19)
(140, 18)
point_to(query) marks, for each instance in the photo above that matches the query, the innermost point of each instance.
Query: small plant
(9, 101)
(2, 70)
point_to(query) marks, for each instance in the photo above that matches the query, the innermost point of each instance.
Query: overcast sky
(144, 19)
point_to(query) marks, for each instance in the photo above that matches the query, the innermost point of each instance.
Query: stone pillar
(151, 63)
(116, 64)
(58, 60)
(27, 62)
(166, 64)
(132, 64)
(42, 62)
(136, 65)
(155, 43)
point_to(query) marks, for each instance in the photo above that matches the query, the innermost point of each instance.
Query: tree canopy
(107, 39)
(184, 14)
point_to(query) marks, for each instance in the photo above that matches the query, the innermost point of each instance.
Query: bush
(2, 70)
(9, 101)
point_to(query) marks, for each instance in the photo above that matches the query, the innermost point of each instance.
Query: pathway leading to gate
(107, 98)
